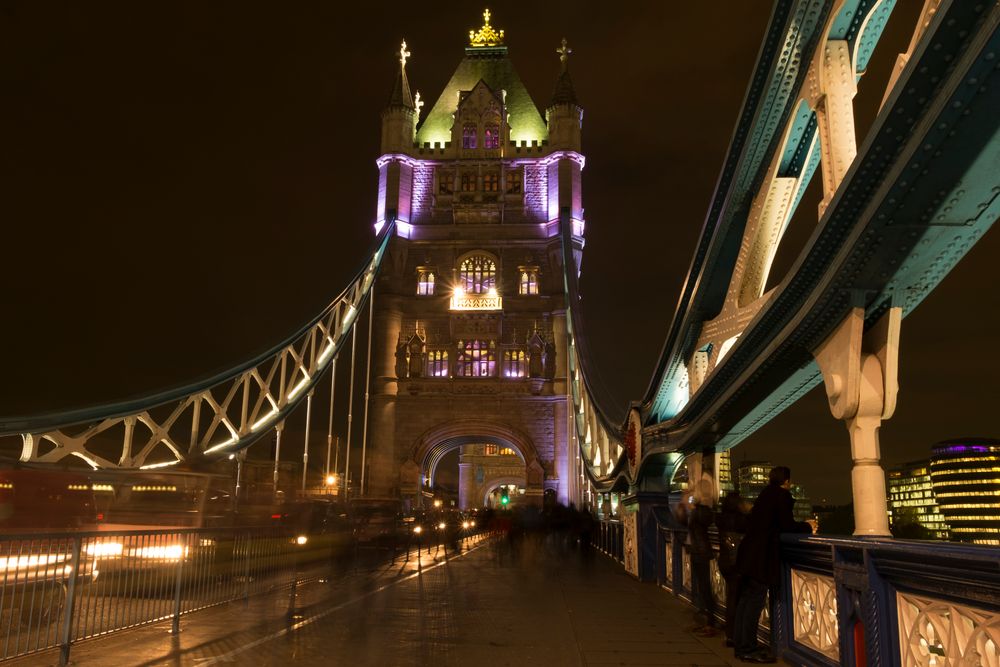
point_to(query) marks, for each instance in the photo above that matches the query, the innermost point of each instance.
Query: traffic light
(504, 498)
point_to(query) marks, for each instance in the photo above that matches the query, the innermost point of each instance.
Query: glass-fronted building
(911, 494)
(965, 474)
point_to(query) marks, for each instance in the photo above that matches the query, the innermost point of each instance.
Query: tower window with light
(515, 363)
(468, 182)
(425, 283)
(437, 363)
(491, 136)
(477, 274)
(469, 135)
(476, 358)
(528, 283)
(491, 182)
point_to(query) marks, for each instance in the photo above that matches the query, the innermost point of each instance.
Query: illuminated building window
(446, 182)
(425, 283)
(491, 182)
(515, 363)
(513, 181)
(476, 358)
(477, 274)
(491, 137)
(529, 281)
(468, 182)
(507, 451)
(497, 450)
(469, 136)
(437, 363)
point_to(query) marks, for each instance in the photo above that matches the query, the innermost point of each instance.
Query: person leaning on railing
(757, 560)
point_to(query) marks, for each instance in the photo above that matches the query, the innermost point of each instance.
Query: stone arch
(484, 490)
(428, 449)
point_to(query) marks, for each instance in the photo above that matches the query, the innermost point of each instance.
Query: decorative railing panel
(814, 612)
(938, 632)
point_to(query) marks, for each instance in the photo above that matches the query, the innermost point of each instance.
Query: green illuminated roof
(492, 66)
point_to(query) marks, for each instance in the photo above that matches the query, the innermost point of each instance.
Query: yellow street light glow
(301, 539)
(441, 526)
(331, 480)
(418, 530)
(465, 524)
(437, 503)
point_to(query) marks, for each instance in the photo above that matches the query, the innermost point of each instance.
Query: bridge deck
(483, 607)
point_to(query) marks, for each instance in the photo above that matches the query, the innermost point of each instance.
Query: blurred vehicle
(321, 528)
(46, 501)
(376, 521)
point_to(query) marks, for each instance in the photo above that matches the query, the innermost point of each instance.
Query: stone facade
(470, 332)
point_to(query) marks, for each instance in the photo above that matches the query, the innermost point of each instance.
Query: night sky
(182, 185)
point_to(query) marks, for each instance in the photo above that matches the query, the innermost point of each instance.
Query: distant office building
(752, 478)
(725, 472)
(965, 474)
(910, 490)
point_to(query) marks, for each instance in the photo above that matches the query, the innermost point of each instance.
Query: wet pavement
(544, 605)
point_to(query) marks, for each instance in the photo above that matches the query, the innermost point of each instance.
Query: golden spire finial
(564, 52)
(403, 54)
(486, 36)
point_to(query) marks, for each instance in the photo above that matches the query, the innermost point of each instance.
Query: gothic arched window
(469, 135)
(437, 363)
(476, 358)
(515, 364)
(491, 136)
(529, 281)
(425, 283)
(477, 274)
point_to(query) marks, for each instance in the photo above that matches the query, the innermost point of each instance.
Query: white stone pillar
(860, 372)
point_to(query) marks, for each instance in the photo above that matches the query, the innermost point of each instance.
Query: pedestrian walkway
(485, 607)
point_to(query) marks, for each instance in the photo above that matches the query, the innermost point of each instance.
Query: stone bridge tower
(470, 328)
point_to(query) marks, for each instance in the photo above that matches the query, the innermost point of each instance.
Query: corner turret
(564, 115)
(399, 118)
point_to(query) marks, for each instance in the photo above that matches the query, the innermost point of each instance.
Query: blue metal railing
(852, 601)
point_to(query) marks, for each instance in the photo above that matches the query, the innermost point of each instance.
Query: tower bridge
(469, 306)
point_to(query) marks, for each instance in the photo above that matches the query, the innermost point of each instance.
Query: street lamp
(438, 503)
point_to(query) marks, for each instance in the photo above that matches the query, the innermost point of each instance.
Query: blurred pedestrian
(732, 524)
(758, 561)
(700, 518)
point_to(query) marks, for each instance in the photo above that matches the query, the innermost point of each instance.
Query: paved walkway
(484, 607)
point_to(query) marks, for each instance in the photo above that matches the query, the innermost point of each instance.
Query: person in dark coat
(700, 518)
(732, 524)
(758, 562)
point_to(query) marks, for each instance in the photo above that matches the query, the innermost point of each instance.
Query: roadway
(485, 606)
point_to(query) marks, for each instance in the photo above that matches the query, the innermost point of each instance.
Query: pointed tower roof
(564, 92)
(485, 60)
(401, 96)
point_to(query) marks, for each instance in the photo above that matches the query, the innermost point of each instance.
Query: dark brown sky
(182, 184)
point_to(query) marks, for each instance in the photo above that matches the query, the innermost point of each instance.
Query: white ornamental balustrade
(814, 613)
(937, 632)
